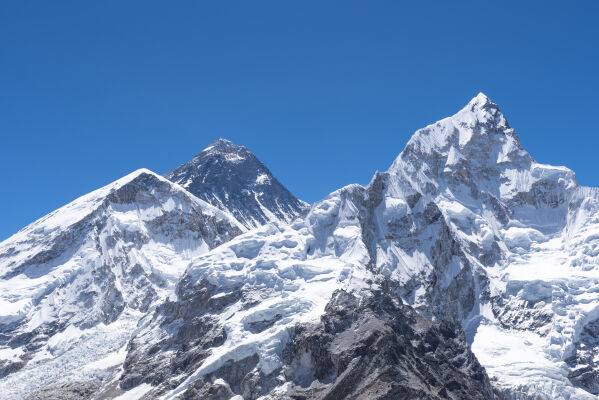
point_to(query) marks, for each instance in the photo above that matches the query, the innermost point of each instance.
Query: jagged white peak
(29, 240)
(520, 228)
(477, 147)
(231, 178)
(74, 283)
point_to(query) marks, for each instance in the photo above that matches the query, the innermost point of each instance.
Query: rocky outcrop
(374, 347)
(584, 364)
(183, 334)
(66, 391)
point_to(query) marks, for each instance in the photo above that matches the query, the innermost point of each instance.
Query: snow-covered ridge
(524, 231)
(475, 147)
(27, 240)
(86, 272)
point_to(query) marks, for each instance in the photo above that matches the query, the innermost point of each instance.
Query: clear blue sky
(323, 92)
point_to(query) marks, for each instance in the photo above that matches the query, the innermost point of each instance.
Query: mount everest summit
(231, 178)
(466, 271)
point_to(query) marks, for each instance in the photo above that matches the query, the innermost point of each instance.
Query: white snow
(72, 360)
(135, 393)
(114, 359)
(262, 179)
(13, 311)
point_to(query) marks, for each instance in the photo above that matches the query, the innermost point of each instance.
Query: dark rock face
(516, 313)
(8, 367)
(184, 333)
(231, 178)
(584, 366)
(66, 391)
(244, 378)
(376, 348)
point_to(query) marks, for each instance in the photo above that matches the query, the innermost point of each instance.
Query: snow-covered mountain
(465, 226)
(231, 178)
(74, 283)
(467, 270)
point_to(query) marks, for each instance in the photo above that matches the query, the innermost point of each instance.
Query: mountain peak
(482, 111)
(474, 141)
(222, 146)
(480, 124)
(231, 178)
(475, 148)
(480, 100)
(222, 141)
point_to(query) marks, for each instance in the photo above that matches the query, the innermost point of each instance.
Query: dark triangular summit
(231, 178)
(223, 145)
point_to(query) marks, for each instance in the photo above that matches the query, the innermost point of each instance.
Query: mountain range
(467, 270)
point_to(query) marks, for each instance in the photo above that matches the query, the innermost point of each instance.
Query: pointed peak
(135, 175)
(481, 110)
(480, 102)
(233, 179)
(478, 135)
(222, 142)
(222, 146)
(480, 99)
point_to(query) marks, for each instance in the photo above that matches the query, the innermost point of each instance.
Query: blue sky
(324, 93)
